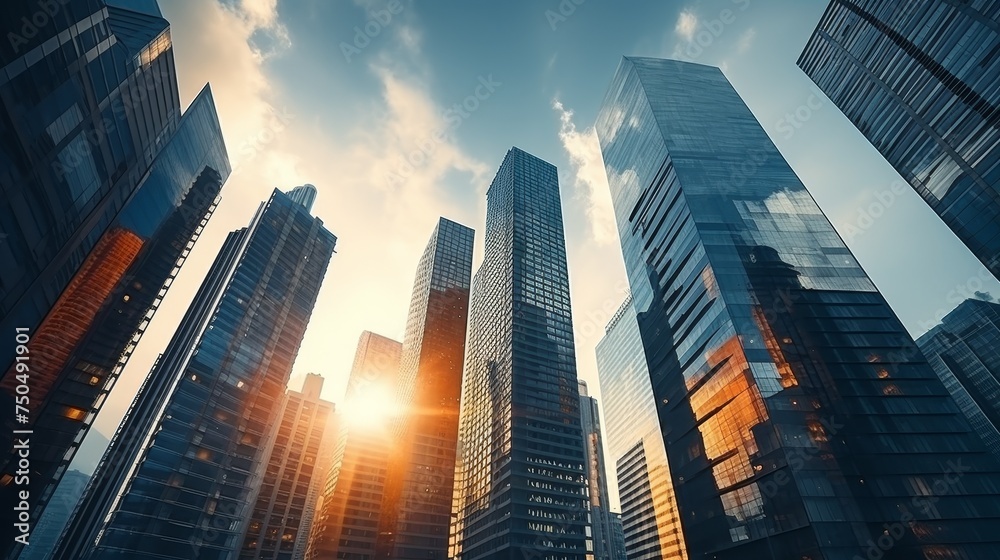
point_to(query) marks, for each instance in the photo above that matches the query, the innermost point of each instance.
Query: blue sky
(295, 109)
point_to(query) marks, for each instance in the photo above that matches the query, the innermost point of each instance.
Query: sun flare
(370, 407)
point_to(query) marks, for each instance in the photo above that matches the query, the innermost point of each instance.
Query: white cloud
(687, 24)
(410, 37)
(746, 40)
(382, 226)
(590, 181)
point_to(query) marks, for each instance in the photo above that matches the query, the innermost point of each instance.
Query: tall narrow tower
(963, 350)
(347, 521)
(416, 509)
(521, 491)
(179, 475)
(601, 517)
(294, 473)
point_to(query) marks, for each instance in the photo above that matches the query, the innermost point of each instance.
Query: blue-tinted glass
(921, 80)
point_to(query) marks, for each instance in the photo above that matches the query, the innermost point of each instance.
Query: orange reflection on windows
(727, 406)
(891, 390)
(74, 413)
(73, 313)
(787, 378)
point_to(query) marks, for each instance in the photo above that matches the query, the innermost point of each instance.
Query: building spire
(304, 195)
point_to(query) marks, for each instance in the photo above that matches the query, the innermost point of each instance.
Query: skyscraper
(180, 473)
(964, 350)
(50, 525)
(521, 491)
(798, 417)
(347, 520)
(617, 537)
(279, 524)
(83, 344)
(651, 523)
(919, 80)
(416, 508)
(89, 97)
(601, 517)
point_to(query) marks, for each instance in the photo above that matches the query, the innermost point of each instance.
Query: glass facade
(56, 516)
(181, 473)
(347, 522)
(601, 518)
(964, 350)
(650, 519)
(294, 473)
(521, 489)
(87, 100)
(416, 511)
(798, 417)
(921, 80)
(618, 537)
(83, 344)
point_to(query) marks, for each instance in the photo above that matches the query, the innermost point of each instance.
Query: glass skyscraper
(83, 344)
(601, 518)
(88, 97)
(618, 537)
(347, 520)
(294, 474)
(521, 489)
(964, 350)
(180, 474)
(46, 533)
(921, 80)
(416, 509)
(798, 417)
(650, 520)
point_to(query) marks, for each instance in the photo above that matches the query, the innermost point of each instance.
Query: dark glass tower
(651, 523)
(180, 473)
(964, 350)
(618, 537)
(919, 80)
(88, 97)
(416, 510)
(57, 515)
(601, 518)
(83, 344)
(347, 520)
(294, 473)
(521, 491)
(798, 417)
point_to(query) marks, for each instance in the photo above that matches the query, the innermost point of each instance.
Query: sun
(371, 407)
